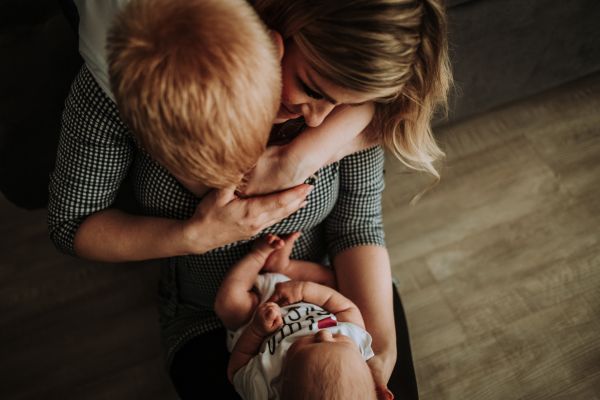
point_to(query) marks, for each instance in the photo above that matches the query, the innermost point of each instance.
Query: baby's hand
(277, 169)
(267, 318)
(279, 260)
(288, 292)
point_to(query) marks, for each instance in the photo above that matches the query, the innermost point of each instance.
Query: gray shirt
(97, 151)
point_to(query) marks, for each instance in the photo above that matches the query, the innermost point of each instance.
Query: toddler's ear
(278, 41)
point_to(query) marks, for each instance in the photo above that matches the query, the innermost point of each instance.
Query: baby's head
(198, 82)
(326, 366)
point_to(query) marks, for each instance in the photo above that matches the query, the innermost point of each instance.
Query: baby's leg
(310, 271)
(279, 261)
(235, 301)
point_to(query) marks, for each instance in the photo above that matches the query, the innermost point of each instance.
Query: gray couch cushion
(503, 50)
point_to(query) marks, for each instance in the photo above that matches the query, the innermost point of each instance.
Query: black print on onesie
(307, 317)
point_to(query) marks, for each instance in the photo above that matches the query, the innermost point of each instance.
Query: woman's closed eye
(311, 93)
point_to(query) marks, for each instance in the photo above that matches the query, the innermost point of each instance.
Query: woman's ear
(278, 41)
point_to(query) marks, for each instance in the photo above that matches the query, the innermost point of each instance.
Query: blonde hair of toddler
(198, 82)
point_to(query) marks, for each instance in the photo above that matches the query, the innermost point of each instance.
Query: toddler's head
(198, 82)
(326, 366)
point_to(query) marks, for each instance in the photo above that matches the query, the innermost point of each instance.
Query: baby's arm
(342, 133)
(235, 300)
(266, 321)
(330, 299)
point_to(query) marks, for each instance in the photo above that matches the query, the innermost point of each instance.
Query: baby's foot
(267, 318)
(266, 245)
(279, 259)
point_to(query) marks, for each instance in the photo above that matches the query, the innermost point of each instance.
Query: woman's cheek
(286, 95)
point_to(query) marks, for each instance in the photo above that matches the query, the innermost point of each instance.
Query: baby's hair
(396, 50)
(312, 377)
(198, 83)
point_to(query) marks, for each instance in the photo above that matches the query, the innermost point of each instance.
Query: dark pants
(202, 362)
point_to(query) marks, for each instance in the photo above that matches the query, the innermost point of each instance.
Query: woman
(393, 53)
(337, 52)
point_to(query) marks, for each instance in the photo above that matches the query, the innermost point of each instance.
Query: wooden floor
(498, 267)
(71, 329)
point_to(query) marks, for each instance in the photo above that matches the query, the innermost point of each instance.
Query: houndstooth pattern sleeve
(95, 151)
(356, 218)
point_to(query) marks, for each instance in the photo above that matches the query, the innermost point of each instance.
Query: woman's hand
(222, 217)
(381, 366)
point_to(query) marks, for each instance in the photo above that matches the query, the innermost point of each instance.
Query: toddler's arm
(331, 300)
(266, 321)
(235, 301)
(342, 133)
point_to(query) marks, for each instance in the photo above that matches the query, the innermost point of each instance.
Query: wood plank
(70, 328)
(499, 266)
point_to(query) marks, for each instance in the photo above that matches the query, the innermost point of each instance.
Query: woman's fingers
(292, 236)
(276, 206)
(232, 218)
(383, 393)
(290, 197)
(225, 196)
(381, 369)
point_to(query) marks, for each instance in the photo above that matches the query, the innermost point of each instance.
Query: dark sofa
(501, 50)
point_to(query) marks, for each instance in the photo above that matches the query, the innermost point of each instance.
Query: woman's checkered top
(96, 152)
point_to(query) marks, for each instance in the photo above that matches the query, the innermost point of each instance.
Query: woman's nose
(324, 335)
(315, 114)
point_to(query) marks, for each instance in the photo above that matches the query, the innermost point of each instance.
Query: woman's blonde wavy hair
(396, 50)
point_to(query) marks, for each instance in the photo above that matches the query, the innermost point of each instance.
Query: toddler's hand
(267, 318)
(288, 292)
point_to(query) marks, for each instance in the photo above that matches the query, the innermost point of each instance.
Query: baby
(289, 338)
